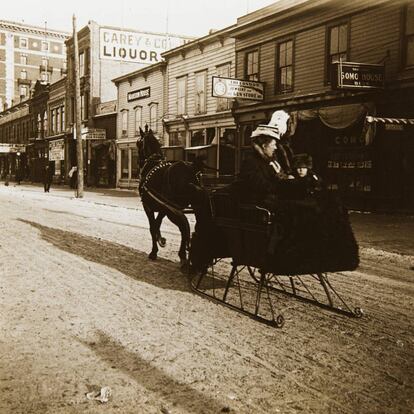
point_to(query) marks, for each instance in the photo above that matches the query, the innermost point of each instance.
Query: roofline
(134, 74)
(244, 28)
(199, 41)
(126, 29)
(41, 30)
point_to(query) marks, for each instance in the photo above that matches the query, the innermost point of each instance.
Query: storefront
(13, 164)
(128, 173)
(214, 138)
(57, 158)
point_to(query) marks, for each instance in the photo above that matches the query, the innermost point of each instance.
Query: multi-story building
(192, 117)
(140, 106)
(344, 70)
(15, 130)
(104, 54)
(28, 54)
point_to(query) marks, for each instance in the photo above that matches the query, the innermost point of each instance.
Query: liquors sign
(349, 75)
(237, 88)
(135, 46)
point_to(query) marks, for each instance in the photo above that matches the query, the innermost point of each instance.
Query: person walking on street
(47, 178)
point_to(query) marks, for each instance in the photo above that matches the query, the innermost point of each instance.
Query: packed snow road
(83, 308)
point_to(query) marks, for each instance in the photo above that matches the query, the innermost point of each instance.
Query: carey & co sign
(351, 75)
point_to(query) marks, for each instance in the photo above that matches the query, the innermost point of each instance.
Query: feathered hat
(276, 127)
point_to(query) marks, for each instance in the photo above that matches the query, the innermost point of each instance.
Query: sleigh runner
(247, 255)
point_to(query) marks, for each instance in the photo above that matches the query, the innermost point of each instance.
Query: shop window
(62, 118)
(337, 47)
(153, 116)
(177, 138)
(223, 71)
(409, 36)
(52, 121)
(138, 119)
(134, 163)
(124, 163)
(252, 66)
(284, 71)
(82, 64)
(24, 91)
(198, 138)
(23, 59)
(57, 125)
(182, 95)
(200, 92)
(124, 123)
(84, 106)
(23, 42)
(45, 122)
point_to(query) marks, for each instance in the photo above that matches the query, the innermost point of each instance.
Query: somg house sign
(350, 75)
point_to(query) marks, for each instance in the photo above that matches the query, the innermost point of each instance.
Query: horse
(166, 188)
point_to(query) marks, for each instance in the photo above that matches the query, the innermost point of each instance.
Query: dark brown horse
(166, 188)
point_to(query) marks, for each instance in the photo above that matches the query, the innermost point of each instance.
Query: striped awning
(397, 121)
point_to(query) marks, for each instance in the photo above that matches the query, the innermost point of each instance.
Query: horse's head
(148, 145)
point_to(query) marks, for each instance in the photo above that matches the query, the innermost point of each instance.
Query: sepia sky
(187, 17)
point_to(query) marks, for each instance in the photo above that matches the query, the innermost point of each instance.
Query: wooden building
(193, 118)
(357, 127)
(140, 105)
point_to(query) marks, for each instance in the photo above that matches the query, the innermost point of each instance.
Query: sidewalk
(389, 232)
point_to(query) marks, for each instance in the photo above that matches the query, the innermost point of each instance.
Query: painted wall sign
(135, 46)
(57, 150)
(139, 94)
(349, 75)
(237, 88)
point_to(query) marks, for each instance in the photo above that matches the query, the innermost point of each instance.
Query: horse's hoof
(162, 241)
(152, 256)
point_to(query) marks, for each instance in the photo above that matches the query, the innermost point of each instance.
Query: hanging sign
(350, 75)
(237, 88)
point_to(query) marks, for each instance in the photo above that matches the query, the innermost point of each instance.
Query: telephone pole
(78, 115)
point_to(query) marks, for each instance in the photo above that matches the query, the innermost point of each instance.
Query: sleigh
(248, 255)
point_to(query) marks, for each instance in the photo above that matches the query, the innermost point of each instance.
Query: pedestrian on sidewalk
(47, 178)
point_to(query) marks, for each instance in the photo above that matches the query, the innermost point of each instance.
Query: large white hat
(276, 127)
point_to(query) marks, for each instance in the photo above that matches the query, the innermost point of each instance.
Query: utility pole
(78, 122)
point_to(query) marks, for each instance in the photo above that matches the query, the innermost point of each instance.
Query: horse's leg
(161, 240)
(180, 220)
(154, 230)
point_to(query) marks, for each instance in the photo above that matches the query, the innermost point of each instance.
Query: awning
(397, 121)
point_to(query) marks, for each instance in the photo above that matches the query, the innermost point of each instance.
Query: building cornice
(29, 29)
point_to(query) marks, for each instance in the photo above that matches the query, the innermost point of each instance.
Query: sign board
(237, 88)
(93, 133)
(12, 148)
(139, 94)
(137, 47)
(349, 75)
(57, 150)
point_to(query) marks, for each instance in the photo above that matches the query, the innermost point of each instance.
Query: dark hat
(302, 161)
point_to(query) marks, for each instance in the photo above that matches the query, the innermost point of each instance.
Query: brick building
(28, 54)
